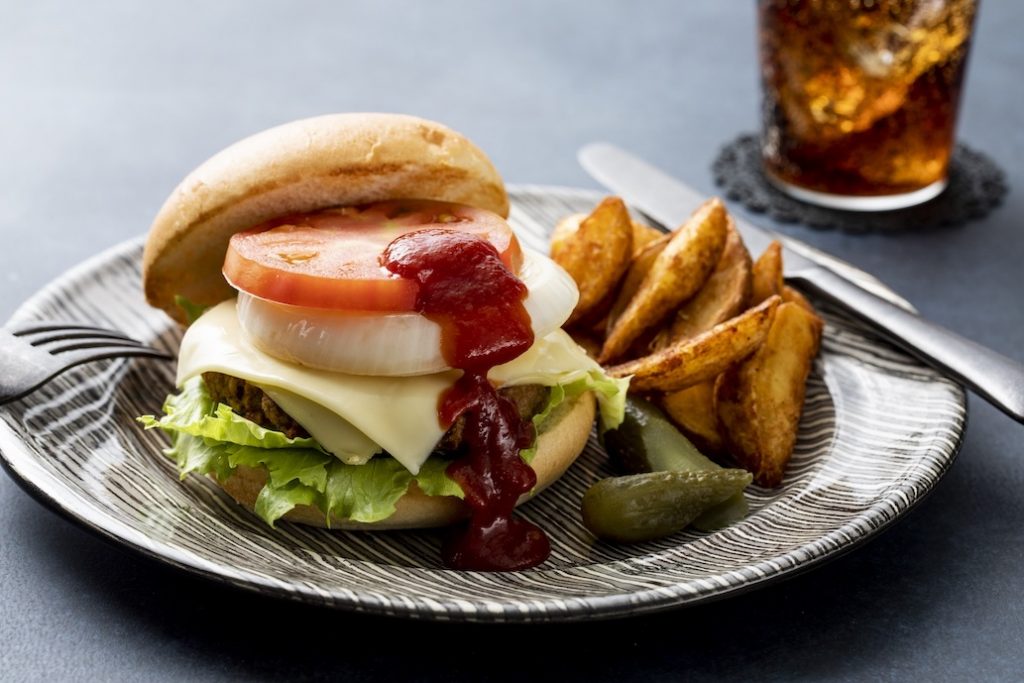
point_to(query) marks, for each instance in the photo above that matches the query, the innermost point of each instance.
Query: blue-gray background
(105, 106)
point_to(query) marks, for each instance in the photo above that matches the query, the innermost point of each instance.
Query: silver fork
(31, 354)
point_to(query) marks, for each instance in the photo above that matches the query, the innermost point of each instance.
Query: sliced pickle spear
(643, 507)
(647, 442)
(732, 510)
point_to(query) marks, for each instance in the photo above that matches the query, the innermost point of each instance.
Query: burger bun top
(303, 166)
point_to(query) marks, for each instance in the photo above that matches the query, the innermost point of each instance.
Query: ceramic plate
(878, 431)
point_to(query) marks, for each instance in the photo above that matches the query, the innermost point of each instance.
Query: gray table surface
(105, 106)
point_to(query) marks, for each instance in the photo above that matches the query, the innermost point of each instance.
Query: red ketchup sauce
(468, 291)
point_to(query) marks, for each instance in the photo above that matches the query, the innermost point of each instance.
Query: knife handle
(991, 375)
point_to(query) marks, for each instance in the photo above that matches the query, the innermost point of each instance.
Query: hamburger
(368, 344)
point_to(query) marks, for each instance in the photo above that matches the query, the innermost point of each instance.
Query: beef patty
(253, 404)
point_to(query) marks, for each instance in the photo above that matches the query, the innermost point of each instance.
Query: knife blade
(994, 377)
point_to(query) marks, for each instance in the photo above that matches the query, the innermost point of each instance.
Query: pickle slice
(647, 441)
(643, 507)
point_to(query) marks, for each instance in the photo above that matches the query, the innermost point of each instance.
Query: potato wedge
(564, 230)
(612, 308)
(677, 273)
(693, 361)
(596, 253)
(638, 269)
(723, 296)
(767, 274)
(760, 400)
(643, 235)
(692, 410)
(790, 295)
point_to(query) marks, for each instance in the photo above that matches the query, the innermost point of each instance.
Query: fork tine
(88, 355)
(49, 326)
(63, 363)
(41, 338)
(25, 365)
(96, 344)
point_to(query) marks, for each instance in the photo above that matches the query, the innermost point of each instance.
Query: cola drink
(861, 96)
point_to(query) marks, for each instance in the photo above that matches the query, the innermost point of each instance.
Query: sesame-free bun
(333, 160)
(558, 445)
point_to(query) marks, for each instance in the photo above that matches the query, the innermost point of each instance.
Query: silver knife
(994, 377)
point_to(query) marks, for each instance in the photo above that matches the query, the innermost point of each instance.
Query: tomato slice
(331, 259)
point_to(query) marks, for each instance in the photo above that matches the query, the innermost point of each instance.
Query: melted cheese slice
(352, 414)
(331, 431)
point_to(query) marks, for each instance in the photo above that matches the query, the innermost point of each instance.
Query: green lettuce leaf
(273, 502)
(199, 455)
(611, 401)
(285, 465)
(433, 481)
(192, 310)
(191, 412)
(366, 493)
(611, 398)
(212, 439)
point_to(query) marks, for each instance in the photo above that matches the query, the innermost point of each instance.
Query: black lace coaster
(976, 186)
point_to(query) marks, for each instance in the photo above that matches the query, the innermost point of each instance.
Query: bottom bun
(557, 447)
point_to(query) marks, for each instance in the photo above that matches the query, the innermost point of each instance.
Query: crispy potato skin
(767, 274)
(681, 268)
(759, 401)
(723, 296)
(564, 231)
(692, 410)
(791, 295)
(595, 250)
(643, 235)
(641, 264)
(693, 361)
